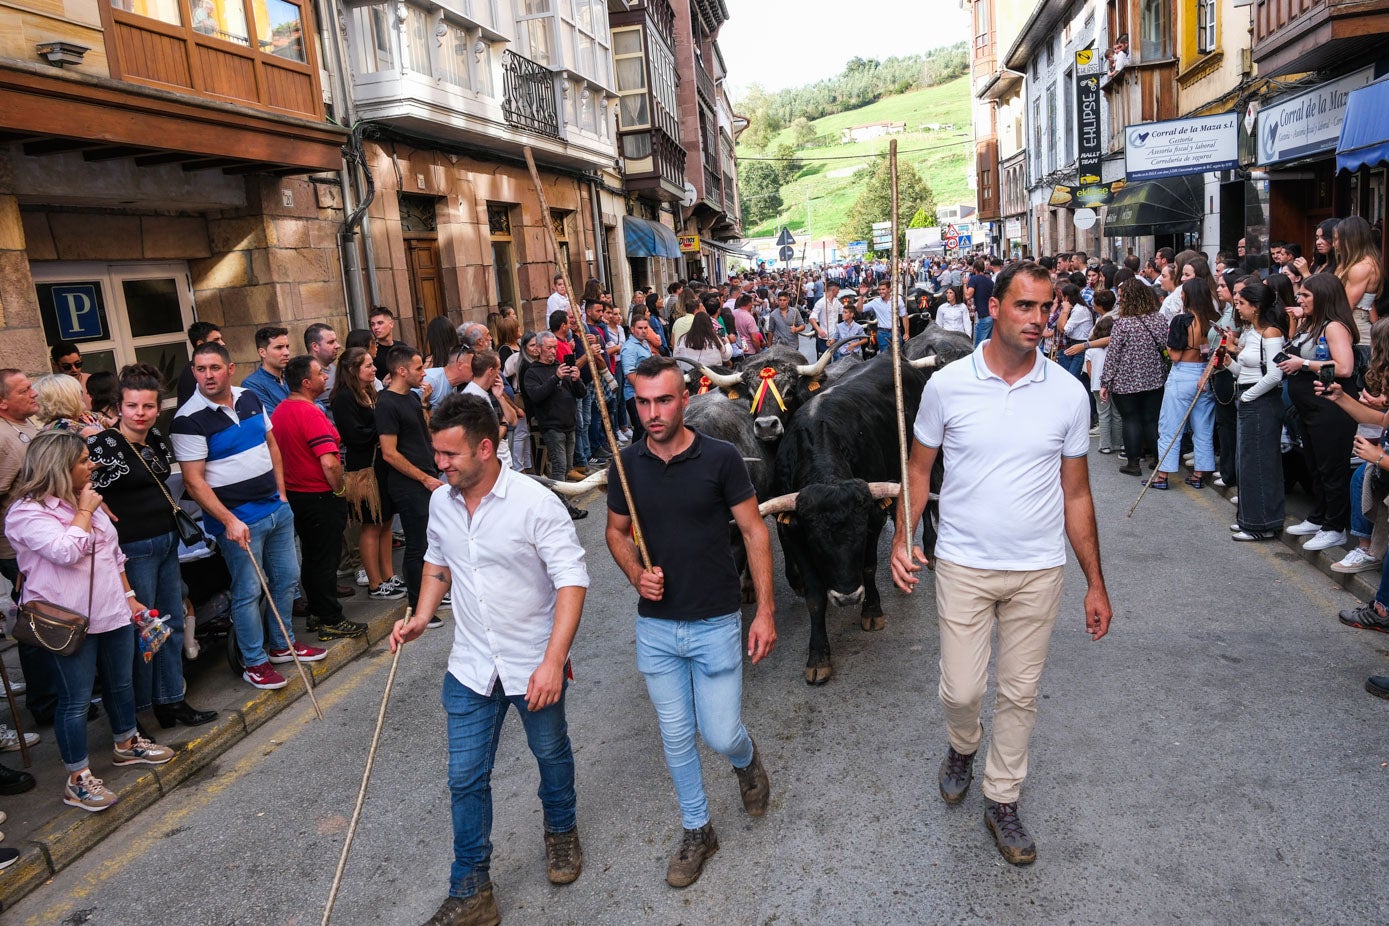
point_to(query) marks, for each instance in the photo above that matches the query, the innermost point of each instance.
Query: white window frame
(1207, 20)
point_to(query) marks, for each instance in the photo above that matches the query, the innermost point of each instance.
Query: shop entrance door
(426, 287)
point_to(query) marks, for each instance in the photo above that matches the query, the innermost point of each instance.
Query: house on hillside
(869, 131)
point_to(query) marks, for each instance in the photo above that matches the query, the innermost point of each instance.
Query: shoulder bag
(52, 627)
(188, 530)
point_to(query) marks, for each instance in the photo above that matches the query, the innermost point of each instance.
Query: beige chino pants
(1024, 605)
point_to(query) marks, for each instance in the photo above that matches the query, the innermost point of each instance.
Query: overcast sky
(784, 43)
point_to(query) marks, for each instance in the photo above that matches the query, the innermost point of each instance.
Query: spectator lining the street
(1260, 507)
(1186, 339)
(1134, 373)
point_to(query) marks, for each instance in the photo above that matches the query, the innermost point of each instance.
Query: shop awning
(649, 239)
(1157, 207)
(1365, 131)
(728, 248)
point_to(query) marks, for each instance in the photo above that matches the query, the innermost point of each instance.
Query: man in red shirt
(308, 445)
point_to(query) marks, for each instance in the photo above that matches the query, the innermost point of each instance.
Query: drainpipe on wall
(599, 238)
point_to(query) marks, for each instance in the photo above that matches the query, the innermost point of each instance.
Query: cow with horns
(837, 475)
(774, 384)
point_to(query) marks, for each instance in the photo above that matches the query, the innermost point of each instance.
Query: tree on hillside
(759, 189)
(921, 219)
(802, 132)
(788, 167)
(874, 203)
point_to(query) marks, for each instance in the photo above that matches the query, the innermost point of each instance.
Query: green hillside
(831, 187)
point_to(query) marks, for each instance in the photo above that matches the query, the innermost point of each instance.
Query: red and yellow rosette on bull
(768, 376)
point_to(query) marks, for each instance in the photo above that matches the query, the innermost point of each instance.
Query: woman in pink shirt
(66, 545)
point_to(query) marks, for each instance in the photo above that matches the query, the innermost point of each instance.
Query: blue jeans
(1074, 365)
(151, 565)
(111, 653)
(272, 543)
(475, 726)
(694, 676)
(586, 411)
(597, 437)
(1360, 526)
(1180, 389)
(884, 340)
(983, 329)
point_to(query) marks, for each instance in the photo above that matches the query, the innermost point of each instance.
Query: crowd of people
(1248, 373)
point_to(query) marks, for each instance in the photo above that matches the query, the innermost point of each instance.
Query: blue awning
(1365, 131)
(649, 239)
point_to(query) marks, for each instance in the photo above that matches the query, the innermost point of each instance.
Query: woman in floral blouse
(1135, 370)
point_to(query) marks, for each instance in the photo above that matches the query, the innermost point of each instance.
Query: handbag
(188, 530)
(52, 627)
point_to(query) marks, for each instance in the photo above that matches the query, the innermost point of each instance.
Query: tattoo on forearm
(436, 575)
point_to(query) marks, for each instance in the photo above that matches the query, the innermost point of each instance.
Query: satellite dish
(691, 194)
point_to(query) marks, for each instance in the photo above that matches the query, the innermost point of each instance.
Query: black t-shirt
(356, 424)
(126, 485)
(983, 286)
(684, 509)
(403, 416)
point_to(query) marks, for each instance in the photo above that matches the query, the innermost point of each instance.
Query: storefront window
(222, 19)
(166, 11)
(281, 29)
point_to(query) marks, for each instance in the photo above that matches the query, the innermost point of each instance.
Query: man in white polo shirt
(1015, 431)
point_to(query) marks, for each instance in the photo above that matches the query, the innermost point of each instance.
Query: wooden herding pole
(576, 319)
(903, 448)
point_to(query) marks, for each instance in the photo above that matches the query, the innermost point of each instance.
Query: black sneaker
(1378, 685)
(1365, 617)
(8, 857)
(577, 514)
(13, 781)
(1016, 847)
(341, 630)
(956, 772)
(434, 622)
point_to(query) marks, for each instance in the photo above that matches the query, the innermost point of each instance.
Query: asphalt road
(1215, 759)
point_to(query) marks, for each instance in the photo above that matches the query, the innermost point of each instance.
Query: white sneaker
(1305, 529)
(361, 578)
(1325, 540)
(1357, 560)
(1218, 482)
(1189, 458)
(1234, 499)
(1234, 528)
(9, 739)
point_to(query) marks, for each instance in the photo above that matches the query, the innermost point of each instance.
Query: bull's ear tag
(886, 503)
(733, 393)
(813, 385)
(784, 518)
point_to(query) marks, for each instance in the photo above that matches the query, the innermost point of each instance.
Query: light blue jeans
(694, 676)
(151, 565)
(1176, 396)
(272, 543)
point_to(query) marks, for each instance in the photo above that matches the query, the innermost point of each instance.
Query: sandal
(1195, 481)
(1159, 484)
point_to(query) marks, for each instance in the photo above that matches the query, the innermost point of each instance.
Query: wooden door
(426, 286)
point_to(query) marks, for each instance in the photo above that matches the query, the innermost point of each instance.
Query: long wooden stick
(366, 778)
(590, 355)
(14, 713)
(902, 446)
(1200, 387)
(284, 629)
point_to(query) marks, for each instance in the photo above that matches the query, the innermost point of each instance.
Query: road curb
(1362, 585)
(72, 833)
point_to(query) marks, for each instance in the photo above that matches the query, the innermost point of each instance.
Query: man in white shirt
(882, 308)
(824, 317)
(506, 546)
(1015, 434)
(486, 384)
(559, 299)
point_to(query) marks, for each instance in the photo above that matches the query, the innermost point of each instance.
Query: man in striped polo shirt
(231, 468)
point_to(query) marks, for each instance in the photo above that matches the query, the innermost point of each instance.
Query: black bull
(770, 385)
(836, 476)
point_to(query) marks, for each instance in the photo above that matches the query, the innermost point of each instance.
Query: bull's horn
(778, 505)
(573, 489)
(885, 489)
(817, 369)
(925, 363)
(722, 380)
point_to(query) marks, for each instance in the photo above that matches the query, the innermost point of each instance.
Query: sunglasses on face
(69, 366)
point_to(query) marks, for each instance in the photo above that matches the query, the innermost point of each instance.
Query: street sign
(786, 253)
(966, 241)
(882, 226)
(952, 241)
(1085, 218)
(784, 240)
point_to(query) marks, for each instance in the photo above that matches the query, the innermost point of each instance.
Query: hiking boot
(752, 781)
(687, 863)
(956, 772)
(1016, 847)
(564, 857)
(340, 630)
(1131, 469)
(141, 751)
(477, 910)
(1365, 617)
(88, 793)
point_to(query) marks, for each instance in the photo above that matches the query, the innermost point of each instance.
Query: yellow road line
(134, 848)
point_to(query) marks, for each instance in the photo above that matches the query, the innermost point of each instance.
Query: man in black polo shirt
(409, 454)
(689, 624)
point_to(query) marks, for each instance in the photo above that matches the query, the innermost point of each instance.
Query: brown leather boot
(688, 862)
(564, 857)
(752, 781)
(477, 910)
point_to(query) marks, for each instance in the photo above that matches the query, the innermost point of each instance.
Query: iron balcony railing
(528, 95)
